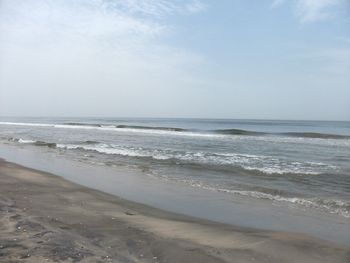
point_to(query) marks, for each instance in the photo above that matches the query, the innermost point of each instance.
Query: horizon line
(174, 118)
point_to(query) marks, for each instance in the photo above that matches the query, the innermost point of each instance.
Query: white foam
(296, 140)
(26, 141)
(272, 139)
(104, 148)
(116, 129)
(27, 124)
(332, 206)
(283, 170)
(265, 164)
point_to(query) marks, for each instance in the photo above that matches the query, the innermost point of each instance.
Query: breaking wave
(257, 164)
(333, 206)
(179, 131)
(248, 162)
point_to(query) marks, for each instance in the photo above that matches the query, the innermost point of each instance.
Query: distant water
(305, 164)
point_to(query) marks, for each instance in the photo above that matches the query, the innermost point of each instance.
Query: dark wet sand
(44, 218)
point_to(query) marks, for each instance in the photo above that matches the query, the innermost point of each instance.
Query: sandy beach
(174, 131)
(44, 218)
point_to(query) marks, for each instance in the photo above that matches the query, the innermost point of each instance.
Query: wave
(223, 131)
(82, 124)
(333, 206)
(251, 164)
(208, 160)
(36, 143)
(152, 128)
(126, 126)
(181, 131)
(248, 162)
(48, 144)
(239, 132)
(315, 135)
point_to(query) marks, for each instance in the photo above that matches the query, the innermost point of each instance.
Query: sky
(257, 59)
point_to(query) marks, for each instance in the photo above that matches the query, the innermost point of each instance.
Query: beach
(45, 218)
(290, 176)
(174, 131)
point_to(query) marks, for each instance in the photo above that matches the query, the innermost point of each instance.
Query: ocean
(298, 164)
(267, 174)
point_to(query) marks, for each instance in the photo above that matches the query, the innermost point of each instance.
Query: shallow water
(135, 185)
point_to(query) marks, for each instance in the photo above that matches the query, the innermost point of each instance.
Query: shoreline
(137, 186)
(45, 218)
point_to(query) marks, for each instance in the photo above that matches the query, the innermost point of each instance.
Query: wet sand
(44, 218)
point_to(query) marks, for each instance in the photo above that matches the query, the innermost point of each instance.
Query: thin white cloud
(157, 8)
(315, 10)
(61, 49)
(126, 25)
(308, 11)
(195, 7)
(118, 17)
(276, 3)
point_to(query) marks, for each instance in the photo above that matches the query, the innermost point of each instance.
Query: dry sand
(44, 218)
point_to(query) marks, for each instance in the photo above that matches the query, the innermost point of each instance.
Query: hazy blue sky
(187, 58)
